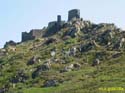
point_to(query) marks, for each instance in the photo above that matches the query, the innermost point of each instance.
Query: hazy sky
(17, 16)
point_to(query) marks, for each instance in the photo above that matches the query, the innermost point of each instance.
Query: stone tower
(75, 13)
(59, 19)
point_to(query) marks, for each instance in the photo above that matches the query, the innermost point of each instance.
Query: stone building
(33, 34)
(57, 23)
(53, 27)
(74, 13)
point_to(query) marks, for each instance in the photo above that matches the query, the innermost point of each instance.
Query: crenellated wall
(74, 13)
(53, 27)
(33, 34)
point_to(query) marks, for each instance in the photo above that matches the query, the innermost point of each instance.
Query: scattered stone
(116, 55)
(73, 51)
(70, 52)
(50, 40)
(96, 62)
(57, 60)
(2, 52)
(10, 43)
(10, 48)
(32, 61)
(2, 90)
(66, 38)
(53, 53)
(75, 66)
(86, 47)
(66, 53)
(51, 83)
(19, 77)
(44, 67)
(122, 43)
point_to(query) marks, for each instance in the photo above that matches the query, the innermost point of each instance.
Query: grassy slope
(111, 73)
(89, 80)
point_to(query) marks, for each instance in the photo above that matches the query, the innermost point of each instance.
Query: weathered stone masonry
(33, 34)
(52, 28)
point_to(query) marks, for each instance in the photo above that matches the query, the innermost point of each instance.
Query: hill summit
(73, 56)
(53, 27)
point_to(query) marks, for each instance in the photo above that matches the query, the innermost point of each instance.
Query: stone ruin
(33, 34)
(10, 43)
(53, 27)
(75, 13)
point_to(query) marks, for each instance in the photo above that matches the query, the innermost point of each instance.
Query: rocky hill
(76, 56)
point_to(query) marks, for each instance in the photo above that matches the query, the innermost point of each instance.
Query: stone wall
(26, 36)
(51, 24)
(75, 13)
(54, 26)
(33, 34)
(37, 33)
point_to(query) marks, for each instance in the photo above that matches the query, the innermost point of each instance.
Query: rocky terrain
(81, 57)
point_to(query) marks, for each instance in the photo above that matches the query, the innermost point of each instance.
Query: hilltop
(74, 56)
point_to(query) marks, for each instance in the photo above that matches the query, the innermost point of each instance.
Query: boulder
(53, 53)
(75, 66)
(45, 66)
(40, 69)
(10, 43)
(51, 83)
(96, 62)
(116, 55)
(2, 52)
(66, 38)
(73, 51)
(2, 90)
(86, 47)
(122, 43)
(10, 48)
(106, 37)
(19, 77)
(32, 61)
(49, 41)
(72, 32)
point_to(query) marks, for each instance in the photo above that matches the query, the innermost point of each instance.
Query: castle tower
(59, 18)
(58, 22)
(75, 13)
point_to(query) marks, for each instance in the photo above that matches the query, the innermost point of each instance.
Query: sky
(17, 16)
